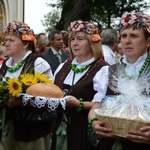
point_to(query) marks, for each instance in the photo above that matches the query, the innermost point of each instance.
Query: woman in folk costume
(134, 66)
(20, 44)
(75, 76)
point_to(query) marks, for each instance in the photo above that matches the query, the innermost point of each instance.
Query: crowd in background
(110, 43)
(78, 61)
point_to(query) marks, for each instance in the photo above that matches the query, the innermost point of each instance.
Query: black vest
(53, 59)
(27, 132)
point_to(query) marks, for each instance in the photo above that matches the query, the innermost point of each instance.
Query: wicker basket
(121, 126)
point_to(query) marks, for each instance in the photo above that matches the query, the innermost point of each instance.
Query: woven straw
(121, 126)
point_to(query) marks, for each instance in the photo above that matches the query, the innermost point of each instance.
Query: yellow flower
(47, 80)
(14, 87)
(28, 79)
(42, 78)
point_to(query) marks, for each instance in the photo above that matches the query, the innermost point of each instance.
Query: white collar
(56, 52)
(83, 63)
(140, 59)
(10, 60)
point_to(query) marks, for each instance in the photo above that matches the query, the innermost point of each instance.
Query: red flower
(127, 19)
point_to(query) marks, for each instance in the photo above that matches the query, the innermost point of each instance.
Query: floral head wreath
(24, 29)
(135, 18)
(85, 26)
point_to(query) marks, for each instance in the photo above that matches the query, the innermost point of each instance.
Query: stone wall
(11, 10)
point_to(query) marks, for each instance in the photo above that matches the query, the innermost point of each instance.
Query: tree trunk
(80, 11)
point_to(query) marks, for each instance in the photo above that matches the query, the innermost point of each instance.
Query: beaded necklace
(147, 60)
(79, 70)
(19, 65)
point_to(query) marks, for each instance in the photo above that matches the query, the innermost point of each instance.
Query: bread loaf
(48, 90)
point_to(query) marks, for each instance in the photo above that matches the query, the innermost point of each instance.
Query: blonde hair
(2, 49)
(43, 43)
(96, 47)
(3, 52)
(2, 38)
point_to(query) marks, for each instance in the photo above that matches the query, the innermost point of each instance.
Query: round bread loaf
(45, 90)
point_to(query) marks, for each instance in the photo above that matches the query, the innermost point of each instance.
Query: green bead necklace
(19, 65)
(142, 68)
(79, 70)
(145, 64)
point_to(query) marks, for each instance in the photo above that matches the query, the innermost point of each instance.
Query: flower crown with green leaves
(24, 29)
(86, 27)
(135, 18)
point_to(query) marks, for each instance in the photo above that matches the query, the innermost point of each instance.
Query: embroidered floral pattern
(86, 27)
(132, 18)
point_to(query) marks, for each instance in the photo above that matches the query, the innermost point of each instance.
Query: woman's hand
(101, 130)
(99, 126)
(71, 101)
(140, 136)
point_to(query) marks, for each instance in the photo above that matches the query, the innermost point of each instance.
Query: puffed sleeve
(100, 84)
(42, 66)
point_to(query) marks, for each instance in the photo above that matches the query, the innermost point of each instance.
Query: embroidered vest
(84, 87)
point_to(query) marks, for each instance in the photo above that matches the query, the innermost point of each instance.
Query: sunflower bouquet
(12, 87)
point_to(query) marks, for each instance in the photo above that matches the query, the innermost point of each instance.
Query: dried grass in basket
(121, 126)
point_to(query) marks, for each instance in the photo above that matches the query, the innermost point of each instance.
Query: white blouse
(69, 77)
(100, 81)
(101, 78)
(40, 65)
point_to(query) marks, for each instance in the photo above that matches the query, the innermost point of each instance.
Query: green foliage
(50, 20)
(104, 13)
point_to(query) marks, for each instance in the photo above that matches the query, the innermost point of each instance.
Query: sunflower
(28, 79)
(46, 80)
(42, 78)
(14, 87)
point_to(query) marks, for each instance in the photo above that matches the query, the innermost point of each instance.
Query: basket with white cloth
(40, 103)
(128, 111)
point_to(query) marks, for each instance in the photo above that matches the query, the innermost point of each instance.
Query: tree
(102, 12)
(73, 10)
(50, 20)
(106, 13)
